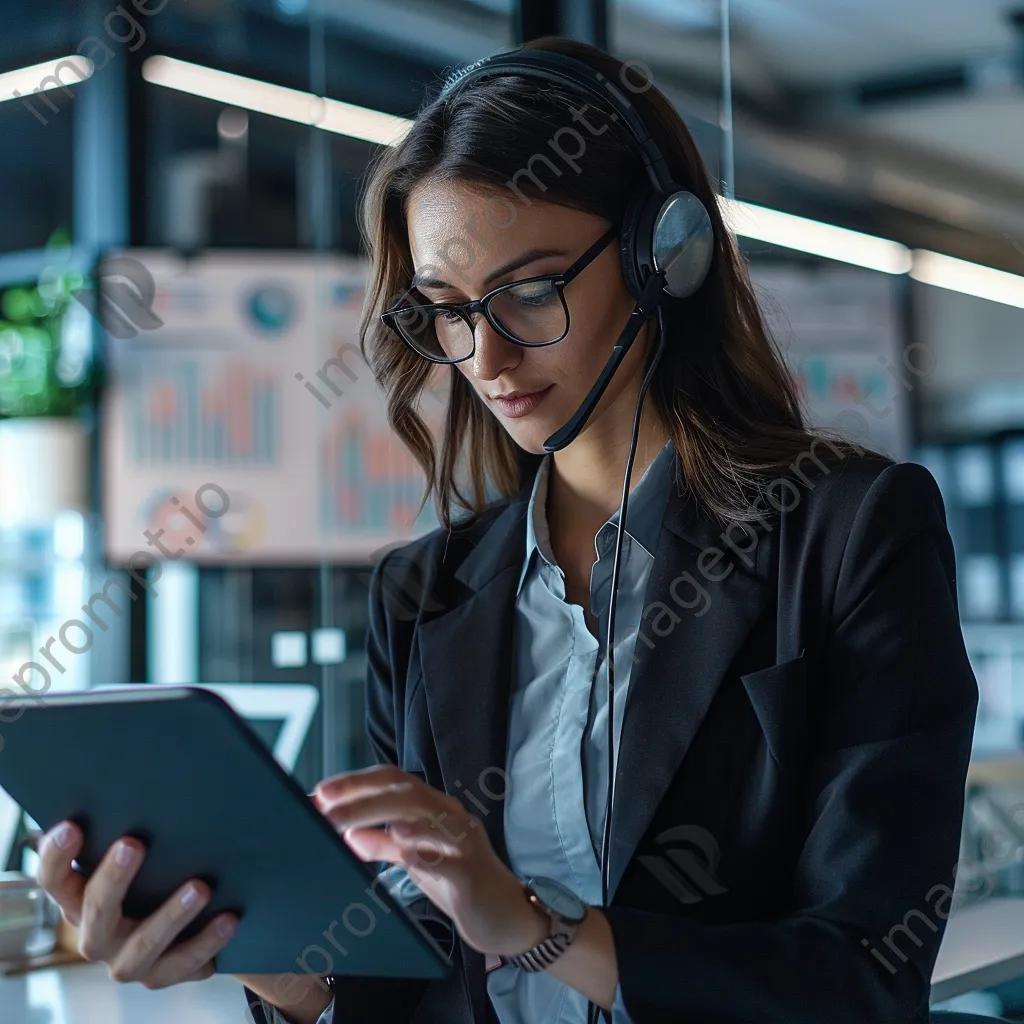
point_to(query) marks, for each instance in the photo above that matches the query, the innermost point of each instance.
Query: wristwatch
(566, 911)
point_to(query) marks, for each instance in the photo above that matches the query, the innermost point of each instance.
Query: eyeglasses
(531, 312)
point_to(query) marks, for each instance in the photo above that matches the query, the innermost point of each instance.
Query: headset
(666, 243)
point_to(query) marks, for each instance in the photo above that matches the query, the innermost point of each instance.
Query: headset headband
(556, 67)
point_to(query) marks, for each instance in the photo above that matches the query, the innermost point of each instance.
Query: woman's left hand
(386, 814)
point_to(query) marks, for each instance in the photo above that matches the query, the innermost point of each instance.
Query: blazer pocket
(778, 694)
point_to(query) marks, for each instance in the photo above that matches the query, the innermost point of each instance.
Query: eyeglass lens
(532, 312)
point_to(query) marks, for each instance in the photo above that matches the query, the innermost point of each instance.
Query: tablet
(175, 767)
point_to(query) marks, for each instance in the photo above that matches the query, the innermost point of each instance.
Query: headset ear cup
(631, 241)
(638, 238)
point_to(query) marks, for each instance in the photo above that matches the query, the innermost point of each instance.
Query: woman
(792, 704)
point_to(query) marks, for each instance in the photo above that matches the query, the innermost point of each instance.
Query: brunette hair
(722, 389)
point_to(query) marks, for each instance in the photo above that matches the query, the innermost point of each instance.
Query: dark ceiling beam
(981, 73)
(357, 70)
(975, 77)
(586, 20)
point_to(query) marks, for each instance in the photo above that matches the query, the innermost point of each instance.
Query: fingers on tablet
(65, 837)
(192, 960)
(146, 944)
(55, 874)
(172, 970)
(103, 926)
(106, 889)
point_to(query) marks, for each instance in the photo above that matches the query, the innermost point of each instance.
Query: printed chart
(368, 479)
(247, 426)
(181, 413)
(840, 332)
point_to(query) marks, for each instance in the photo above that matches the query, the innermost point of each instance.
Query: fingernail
(190, 897)
(63, 835)
(124, 855)
(225, 927)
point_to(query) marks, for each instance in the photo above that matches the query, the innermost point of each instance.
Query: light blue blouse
(557, 738)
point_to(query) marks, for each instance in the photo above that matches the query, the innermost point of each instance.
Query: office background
(181, 280)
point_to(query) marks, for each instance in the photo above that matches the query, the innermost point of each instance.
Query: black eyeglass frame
(465, 310)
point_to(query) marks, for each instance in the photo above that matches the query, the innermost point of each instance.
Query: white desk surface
(983, 946)
(84, 994)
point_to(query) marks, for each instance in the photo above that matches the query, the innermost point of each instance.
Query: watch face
(558, 898)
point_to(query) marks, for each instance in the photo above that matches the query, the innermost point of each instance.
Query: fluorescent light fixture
(862, 250)
(970, 278)
(52, 74)
(276, 100)
(815, 237)
(758, 222)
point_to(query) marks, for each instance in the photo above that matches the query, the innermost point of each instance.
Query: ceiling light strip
(760, 223)
(969, 278)
(275, 100)
(62, 73)
(816, 238)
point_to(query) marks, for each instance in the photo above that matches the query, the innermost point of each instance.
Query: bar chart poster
(181, 412)
(369, 487)
(241, 423)
(368, 479)
(840, 332)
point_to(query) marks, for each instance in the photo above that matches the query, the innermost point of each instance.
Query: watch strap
(561, 932)
(544, 954)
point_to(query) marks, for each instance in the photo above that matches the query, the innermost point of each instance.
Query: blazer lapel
(681, 664)
(466, 660)
(466, 657)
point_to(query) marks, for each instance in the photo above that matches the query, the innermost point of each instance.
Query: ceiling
(829, 46)
(937, 151)
(938, 169)
(836, 41)
(986, 131)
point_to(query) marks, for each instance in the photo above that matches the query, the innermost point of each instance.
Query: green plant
(46, 365)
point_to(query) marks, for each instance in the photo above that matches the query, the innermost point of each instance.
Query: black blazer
(811, 712)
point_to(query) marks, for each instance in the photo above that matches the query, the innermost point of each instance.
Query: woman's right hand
(133, 950)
